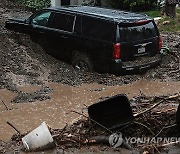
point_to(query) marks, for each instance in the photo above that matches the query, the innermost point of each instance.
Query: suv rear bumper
(139, 65)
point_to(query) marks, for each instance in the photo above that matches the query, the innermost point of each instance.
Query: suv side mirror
(27, 21)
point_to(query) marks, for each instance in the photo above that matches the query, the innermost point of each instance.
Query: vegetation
(169, 24)
(35, 4)
(153, 13)
(166, 23)
(133, 5)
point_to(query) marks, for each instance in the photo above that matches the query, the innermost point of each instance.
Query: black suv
(93, 38)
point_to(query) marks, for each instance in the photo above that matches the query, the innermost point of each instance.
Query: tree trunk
(170, 9)
(98, 2)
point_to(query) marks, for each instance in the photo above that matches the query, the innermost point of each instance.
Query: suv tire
(81, 61)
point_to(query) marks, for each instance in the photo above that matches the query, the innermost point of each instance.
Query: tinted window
(138, 32)
(99, 29)
(63, 22)
(41, 19)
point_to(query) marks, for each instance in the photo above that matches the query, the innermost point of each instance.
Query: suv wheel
(81, 61)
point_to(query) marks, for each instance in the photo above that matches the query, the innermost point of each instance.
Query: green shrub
(134, 5)
(35, 4)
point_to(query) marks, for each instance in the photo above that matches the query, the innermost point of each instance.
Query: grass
(166, 23)
(178, 10)
(153, 13)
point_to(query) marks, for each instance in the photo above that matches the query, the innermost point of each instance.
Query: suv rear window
(139, 32)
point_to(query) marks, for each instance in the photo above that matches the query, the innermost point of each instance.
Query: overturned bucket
(38, 139)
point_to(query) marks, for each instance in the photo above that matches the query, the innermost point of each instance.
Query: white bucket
(38, 139)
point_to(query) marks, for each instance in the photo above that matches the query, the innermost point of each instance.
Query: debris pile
(154, 117)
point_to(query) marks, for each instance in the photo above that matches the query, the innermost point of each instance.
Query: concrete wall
(76, 2)
(55, 2)
(72, 2)
(104, 3)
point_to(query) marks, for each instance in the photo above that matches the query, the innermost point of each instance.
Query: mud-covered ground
(23, 62)
(86, 133)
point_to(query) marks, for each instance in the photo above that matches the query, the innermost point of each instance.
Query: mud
(36, 87)
(150, 124)
(24, 62)
(57, 110)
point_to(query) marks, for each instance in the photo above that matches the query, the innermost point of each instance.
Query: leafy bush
(35, 4)
(134, 5)
(88, 2)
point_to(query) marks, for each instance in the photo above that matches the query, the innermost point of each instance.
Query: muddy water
(57, 111)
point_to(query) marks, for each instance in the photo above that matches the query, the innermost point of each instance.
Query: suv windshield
(139, 32)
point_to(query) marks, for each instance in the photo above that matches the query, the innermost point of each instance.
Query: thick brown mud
(56, 111)
(43, 88)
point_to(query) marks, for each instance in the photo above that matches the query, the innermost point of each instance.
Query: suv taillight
(117, 51)
(160, 42)
(141, 22)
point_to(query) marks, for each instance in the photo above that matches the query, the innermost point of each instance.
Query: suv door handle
(65, 37)
(41, 32)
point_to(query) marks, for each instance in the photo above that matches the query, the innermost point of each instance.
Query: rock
(157, 19)
(166, 22)
(177, 45)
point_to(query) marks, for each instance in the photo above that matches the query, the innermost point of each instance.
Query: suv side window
(98, 29)
(41, 19)
(63, 22)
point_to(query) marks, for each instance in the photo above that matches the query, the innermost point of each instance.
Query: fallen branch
(13, 127)
(5, 105)
(144, 127)
(155, 105)
(171, 143)
(92, 120)
(149, 109)
(176, 71)
(166, 111)
(164, 128)
(59, 133)
(173, 96)
(156, 149)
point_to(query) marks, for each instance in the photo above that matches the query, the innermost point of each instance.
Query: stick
(156, 149)
(173, 96)
(164, 128)
(13, 127)
(161, 101)
(5, 105)
(138, 114)
(144, 126)
(163, 145)
(92, 120)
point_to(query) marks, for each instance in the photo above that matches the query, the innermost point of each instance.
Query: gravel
(39, 95)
